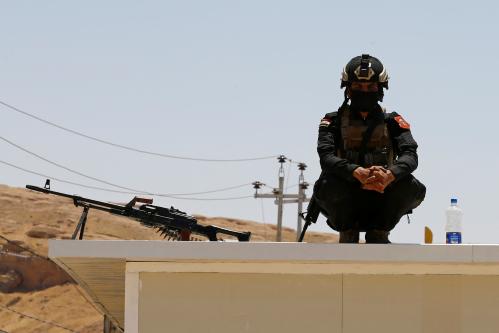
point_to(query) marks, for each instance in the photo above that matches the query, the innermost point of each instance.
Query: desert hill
(37, 296)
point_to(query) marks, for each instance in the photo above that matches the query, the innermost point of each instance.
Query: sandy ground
(35, 295)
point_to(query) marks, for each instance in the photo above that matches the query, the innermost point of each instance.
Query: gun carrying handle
(144, 200)
(132, 202)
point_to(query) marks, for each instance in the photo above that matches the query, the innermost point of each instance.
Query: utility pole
(302, 186)
(279, 196)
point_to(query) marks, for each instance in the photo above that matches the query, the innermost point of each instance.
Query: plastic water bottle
(454, 225)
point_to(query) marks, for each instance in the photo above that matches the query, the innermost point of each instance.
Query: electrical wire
(122, 192)
(214, 199)
(214, 191)
(137, 150)
(86, 298)
(288, 159)
(62, 180)
(68, 169)
(268, 186)
(37, 319)
(23, 247)
(43, 257)
(134, 191)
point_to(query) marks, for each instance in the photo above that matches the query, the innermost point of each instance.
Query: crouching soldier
(367, 157)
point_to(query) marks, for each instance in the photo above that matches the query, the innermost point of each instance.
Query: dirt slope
(37, 296)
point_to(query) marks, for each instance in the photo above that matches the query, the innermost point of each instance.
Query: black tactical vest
(379, 149)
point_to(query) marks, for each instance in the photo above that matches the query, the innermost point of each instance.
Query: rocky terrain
(35, 294)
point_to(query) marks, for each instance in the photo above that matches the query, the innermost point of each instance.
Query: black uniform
(340, 195)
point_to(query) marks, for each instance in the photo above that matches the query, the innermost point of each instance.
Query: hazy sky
(236, 79)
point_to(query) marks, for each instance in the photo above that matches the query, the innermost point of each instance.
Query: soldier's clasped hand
(375, 178)
(363, 175)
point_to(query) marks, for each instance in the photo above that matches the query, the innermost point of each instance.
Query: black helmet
(365, 68)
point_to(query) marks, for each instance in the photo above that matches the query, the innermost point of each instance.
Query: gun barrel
(77, 200)
(44, 190)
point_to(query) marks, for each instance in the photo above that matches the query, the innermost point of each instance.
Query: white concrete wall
(350, 303)
(212, 302)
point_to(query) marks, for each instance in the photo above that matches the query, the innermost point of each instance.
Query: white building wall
(299, 302)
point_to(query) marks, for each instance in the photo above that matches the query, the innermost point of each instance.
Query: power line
(66, 168)
(133, 191)
(137, 150)
(288, 159)
(223, 189)
(75, 285)
(62, 180)
(122, 192)
(217, 199)
(23, 247)
(37, 319)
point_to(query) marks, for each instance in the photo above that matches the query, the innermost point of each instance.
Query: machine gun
(170, 222)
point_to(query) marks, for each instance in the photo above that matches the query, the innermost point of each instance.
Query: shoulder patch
(402, 123)
(325, 122)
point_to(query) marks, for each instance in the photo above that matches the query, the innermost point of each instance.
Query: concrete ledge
(290, 252)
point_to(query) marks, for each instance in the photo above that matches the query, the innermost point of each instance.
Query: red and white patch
(325, 122)
(402, 123)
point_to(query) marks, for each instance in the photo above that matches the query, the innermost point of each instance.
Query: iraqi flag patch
(325, 122)
(402, 123)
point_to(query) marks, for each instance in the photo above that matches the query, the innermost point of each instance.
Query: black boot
(349, 236)
(377, 237)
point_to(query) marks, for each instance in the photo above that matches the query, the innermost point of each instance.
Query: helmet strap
(381, 93)
(345, 101)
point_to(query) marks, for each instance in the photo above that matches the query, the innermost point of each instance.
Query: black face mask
(363, 101)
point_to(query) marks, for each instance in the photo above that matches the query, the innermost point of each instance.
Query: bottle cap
(453, 201)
